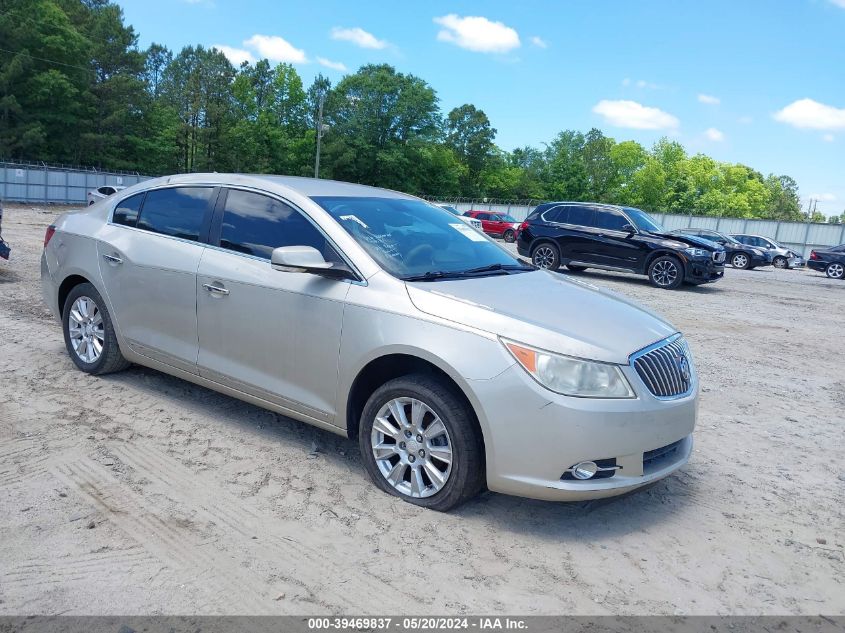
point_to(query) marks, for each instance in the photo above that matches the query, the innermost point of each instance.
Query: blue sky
(760, 82)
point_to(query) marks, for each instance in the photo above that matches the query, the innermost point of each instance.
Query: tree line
(76, 88)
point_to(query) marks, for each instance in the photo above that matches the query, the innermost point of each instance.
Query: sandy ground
(139, 493)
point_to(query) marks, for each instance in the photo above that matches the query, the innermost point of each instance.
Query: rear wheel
(419, 442)
(509, 235)
(835, 271)
(546, 255)
(89, 332)
(666, 272)
(741, 260)
(780, 262)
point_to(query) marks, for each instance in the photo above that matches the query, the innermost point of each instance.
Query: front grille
(666, 370)
(719, 257)
(653, 460)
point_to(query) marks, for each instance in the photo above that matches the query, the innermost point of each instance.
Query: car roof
(310, 187)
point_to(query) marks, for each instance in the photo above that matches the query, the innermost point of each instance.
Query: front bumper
(701, 270)
(533, 436)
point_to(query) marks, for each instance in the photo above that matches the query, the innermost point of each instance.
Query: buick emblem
(683, 367)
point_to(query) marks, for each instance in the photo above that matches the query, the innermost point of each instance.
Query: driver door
(274, 335)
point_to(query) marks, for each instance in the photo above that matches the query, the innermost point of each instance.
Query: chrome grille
(719, 257)
(661, 368)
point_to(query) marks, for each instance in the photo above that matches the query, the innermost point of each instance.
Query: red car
(496, 224)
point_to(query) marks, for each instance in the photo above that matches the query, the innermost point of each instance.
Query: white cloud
(838, 3)
(235, 55)
(828, 138)
(714, 135)
(539, 42)
(276, 49)
(476, 33)
(358, 36)
(639, 83)
(634, 115)
(709, 99)
(745, 120)
(823, 197)
(809, 114)
(330, 64)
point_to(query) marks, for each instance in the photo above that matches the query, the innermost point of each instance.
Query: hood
(690, 240)
(545, 310)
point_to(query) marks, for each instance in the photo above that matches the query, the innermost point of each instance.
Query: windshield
(643, 221)
(411, 238)
(450, 209)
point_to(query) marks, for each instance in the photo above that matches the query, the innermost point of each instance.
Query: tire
(741, 260)
(780, 262)
(85, 307)
(666, 272)
(546, 255)
(509, 236)
(835, 270)
(576, 269)
(410, 465)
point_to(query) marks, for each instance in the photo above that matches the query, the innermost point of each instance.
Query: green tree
(470, 135)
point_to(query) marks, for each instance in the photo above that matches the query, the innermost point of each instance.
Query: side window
(557, 214)
(178, 212)
(610, 220)
(482, 216)
(741, 239)
(126, 211)
(255, 224)
(582, 216)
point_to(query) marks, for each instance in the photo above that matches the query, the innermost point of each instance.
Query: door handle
(114, 259)
(217, 289)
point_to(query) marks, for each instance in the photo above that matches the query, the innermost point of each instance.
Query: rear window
(178, 212)
(126, 211)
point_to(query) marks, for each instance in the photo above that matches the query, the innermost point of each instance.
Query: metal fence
(56, 184)
(799, 236)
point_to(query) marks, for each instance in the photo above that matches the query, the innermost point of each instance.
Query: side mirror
(629, 228)
(305, 259)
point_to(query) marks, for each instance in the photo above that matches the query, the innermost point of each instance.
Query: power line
(49, 61)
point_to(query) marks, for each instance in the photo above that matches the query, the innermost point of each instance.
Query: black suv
(585, 235)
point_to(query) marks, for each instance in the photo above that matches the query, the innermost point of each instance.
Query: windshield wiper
(496, 267)
(433, 275)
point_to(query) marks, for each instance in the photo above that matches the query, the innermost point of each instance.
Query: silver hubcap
(412, 447)
(544, 257)
(665, 273)
(780, 262)
(85, 326)
(740, 261)
(836, 271)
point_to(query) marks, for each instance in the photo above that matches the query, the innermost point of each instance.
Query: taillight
(813, 255)
(51, 230)
(523, 226)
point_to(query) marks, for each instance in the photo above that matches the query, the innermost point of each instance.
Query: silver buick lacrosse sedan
(380, 317)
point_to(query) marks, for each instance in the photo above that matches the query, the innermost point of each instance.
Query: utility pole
(319, 135)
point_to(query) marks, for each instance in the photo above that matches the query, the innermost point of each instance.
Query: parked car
(102, 192)
(737, 254)
(474, 223)
(5, 250)
(374, 315)
(782, 257)
(830, 261)
(588, 235)
(496, 224)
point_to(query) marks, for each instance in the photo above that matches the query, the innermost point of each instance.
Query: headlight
(572, 376)
(696, 252)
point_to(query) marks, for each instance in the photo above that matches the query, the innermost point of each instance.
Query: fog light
(584, 470)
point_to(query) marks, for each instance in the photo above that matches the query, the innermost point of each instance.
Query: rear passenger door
(149, 254)
(271, 334)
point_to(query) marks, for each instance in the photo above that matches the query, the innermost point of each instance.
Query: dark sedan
(830, 261)
(738, 255)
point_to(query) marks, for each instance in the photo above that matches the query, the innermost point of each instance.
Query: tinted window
(255, 224)
(126, 211)
(179, 211)
(483, 216)
(610, 220)
(581, 216)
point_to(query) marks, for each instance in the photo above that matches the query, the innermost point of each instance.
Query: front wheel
(419, 442)
(780, 262)
(741, 260)
(666, 272)
(547, 256)
(509, 236)
(835, 271)
(89, 333)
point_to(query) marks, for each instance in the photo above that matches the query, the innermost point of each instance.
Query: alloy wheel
(543, 257)
(85, 326)
(412, 447)
(740, 261)
(665, 273)
(836, 271)
(780, 262)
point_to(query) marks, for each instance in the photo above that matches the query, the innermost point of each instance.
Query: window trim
(216, 228)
